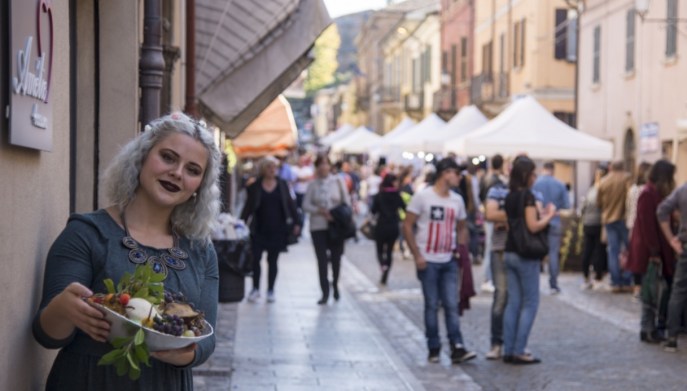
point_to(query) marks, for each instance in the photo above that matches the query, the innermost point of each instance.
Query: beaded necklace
(173, 258)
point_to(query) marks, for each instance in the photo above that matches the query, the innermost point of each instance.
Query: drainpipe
(152, 62)
(191, 108)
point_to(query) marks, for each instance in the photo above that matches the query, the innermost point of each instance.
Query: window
(630, 42)
(463, 59)
(519, 44)
(454, 63)
(487, 58)
(671, 29)
(502, 53)
(560, 34)
(597, 55)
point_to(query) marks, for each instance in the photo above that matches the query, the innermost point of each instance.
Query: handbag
(342, 226)
(527, 244)
(368, 227)
(235, 255)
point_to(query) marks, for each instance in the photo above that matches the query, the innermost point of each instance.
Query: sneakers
(270, 297)
(586, 285)
(555, 291)
(254, 295)
(651, 337)
(487, 286)
(460, 355)
(494, 353)
(434, 355)
(670, 345)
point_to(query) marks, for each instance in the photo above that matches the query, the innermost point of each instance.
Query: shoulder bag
(527, 244)
(342, 226)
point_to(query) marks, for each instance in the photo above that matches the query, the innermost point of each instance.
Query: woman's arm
(535, 225)
(493, 213)
(67, 278)
(308, 201)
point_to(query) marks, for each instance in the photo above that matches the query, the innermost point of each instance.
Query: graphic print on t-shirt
(441, 225)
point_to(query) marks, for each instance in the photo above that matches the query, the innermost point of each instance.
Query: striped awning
(248, 52)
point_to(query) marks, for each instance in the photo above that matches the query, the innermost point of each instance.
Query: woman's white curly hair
(195, 217)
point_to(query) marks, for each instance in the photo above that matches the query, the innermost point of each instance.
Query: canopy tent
(400, 129)
(358, 142)
(273, 132)
(236, 40)
(527, 127)
(467, 120)
(413, 139)
(343, 131)
(382, 148)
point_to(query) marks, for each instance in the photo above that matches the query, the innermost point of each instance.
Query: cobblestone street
(372, 339)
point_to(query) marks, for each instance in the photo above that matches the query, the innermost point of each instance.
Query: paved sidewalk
(295, 344)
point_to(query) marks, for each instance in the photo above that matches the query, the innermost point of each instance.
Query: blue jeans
(554, 236)
(678, 294)
(440, 283)
(616, 232)
(523, 302)
(498, 305)
(488, 233)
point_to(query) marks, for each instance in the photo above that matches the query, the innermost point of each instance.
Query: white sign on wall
(30, 73)
(649, 140)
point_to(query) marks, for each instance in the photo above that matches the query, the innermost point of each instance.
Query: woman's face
(323, 169)
(270, 171)
(173, 170)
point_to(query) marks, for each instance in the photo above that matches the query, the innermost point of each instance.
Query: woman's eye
(168, 157)
(194, 171)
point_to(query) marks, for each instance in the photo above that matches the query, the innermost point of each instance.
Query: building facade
(525, 47)
(630, 79)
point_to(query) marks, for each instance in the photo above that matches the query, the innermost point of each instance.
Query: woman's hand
(325, 212)
(676, 244)
(178, 357)
(296, 230)
(68, 310)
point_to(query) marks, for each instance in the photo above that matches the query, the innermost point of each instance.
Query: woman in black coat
(270, 212)
(385, 206)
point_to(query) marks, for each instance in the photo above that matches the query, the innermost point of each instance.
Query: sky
(337, 8)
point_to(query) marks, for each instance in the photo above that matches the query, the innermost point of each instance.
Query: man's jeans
(616, 232)
(554, 236)
(498, 305)
(523, 302)
(488, 233)
(440, 283)
(678, 295)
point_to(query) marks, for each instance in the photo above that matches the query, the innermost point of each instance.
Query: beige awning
(248, 52)
(273, 132)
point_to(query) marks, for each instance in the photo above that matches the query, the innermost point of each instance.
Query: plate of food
(169, 325)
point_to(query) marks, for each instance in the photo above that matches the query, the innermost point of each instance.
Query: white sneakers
(494, 353)
(255, 295)
(487, 286)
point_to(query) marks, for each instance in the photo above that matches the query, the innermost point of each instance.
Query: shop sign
(31, 47)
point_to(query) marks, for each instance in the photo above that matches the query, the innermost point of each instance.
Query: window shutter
(516, 43)
(428, 63)
(560, 34)
(522, 42)
(571, 54)
(597, 55)
(454, 53)
(463, 59)
(630, 42)
(671, 28)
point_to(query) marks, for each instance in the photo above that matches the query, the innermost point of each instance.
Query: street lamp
(642, 7)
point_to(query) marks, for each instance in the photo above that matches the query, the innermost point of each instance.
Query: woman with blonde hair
(271, 215)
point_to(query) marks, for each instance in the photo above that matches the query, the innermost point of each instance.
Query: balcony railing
(487, 87)
(446, 100)
(390, 94)
(414, 101)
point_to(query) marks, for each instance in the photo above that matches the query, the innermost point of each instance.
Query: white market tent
(413, 139)
(338, 134)
(357, 142)
(400, 129)
(467, 120)
(527, 127)
(382, 148)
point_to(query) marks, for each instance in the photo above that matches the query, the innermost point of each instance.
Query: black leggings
(326, 251)
(385, 248)
(272, 256)
(594, 252)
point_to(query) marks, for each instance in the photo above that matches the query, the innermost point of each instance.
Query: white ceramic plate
(121, 326)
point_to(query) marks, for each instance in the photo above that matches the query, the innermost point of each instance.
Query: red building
(457, 27)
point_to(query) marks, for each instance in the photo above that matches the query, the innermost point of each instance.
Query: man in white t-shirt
(440, 217)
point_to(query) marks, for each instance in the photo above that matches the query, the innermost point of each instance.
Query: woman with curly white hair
(164, 198)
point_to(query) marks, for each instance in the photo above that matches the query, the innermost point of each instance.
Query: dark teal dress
(90, 250)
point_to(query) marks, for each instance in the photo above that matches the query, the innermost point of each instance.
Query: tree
(322, 71)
